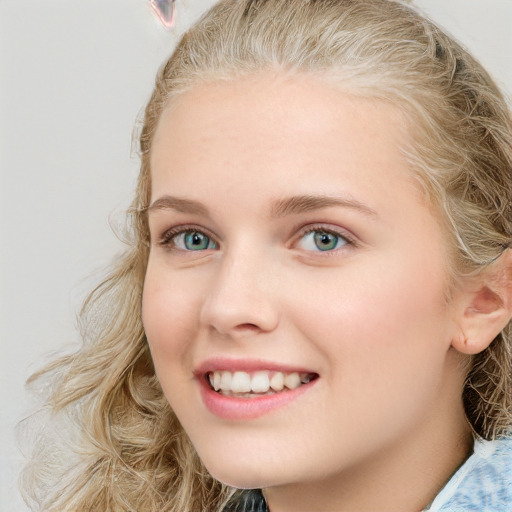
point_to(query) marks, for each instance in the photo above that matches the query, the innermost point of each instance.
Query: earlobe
(487, 307)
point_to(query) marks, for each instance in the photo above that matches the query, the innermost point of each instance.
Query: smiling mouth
(254, 384)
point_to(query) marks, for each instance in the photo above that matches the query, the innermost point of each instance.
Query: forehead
(272, 96)
(278, 118)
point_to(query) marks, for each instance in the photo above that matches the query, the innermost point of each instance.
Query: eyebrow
(305, 203)
(281, 208)
(180, 205)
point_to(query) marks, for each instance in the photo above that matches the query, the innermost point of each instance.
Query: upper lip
(245, 365)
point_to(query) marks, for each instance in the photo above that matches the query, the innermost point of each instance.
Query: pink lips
(237, 408)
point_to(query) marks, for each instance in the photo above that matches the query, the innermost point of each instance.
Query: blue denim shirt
(482, 484)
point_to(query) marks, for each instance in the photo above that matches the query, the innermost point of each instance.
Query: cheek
(384, 338)
(170, 318)
(360, 301)
(379, 329)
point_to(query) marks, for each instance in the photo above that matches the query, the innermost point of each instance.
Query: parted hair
(117, 445)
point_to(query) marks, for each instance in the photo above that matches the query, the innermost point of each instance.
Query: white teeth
(241, 382)
(277, 381)
(260, 382)
(216, 381)
(292, 380)
(225, 381)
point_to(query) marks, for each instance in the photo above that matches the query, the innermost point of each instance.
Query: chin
(244, 475)
(240, 476)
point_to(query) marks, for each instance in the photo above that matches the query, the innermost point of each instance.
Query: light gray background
(74, 75)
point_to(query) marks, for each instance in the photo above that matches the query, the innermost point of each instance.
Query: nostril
(247, 327)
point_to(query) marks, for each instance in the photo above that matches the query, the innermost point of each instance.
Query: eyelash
(168, 237)
(322, 228)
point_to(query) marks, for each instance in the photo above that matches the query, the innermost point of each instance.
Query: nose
(241, 299)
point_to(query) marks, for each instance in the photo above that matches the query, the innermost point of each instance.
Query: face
(294, 301)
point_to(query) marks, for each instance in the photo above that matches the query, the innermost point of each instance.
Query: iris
(197, 241)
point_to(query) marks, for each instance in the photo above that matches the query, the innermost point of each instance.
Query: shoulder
(483, 483)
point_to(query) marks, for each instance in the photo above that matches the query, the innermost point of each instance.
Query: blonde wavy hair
(119, 447)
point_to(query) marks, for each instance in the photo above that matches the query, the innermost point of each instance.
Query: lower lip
(234, 408)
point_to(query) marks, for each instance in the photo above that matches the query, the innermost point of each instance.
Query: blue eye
(319, 240)
(193, 241)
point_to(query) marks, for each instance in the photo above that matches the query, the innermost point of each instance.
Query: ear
(486, 306)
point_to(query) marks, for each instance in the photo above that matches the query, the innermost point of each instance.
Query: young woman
(317, 302)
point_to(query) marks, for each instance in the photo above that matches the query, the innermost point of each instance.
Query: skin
(383, 427)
